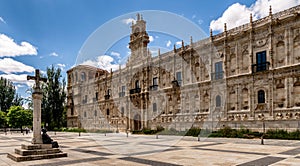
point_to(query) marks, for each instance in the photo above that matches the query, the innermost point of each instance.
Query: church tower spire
(139, 40)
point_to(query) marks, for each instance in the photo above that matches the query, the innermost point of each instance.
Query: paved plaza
(118, 149)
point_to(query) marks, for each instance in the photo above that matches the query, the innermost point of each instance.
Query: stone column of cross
(37, 98)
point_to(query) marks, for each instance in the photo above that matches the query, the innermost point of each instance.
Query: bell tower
(139, 40)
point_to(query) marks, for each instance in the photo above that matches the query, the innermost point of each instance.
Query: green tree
(54, 99)
(2, 119)
(8, 96)
(18, 117)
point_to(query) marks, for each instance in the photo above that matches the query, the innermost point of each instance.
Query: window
(108, 92)
(218, 70)
(179, 78)
(155, 81)
(95, 113)
(261, 61)
(218, 101)
(122, 111)
(83, 76)
(96, 96)
(137, 84)
(122, 92)
(261, 96)
(84, 114)
(154, 107)
(107, 112)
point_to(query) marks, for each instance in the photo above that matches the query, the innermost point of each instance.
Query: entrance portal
(137, 122)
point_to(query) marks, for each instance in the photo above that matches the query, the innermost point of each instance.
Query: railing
(217, 75)
(260, 67)
(153, 87)
(136, 90)
(121, 94)
(107, 97)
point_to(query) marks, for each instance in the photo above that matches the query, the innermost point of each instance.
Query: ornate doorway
(137, 125)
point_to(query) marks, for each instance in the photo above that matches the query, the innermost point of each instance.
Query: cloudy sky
(38, 34)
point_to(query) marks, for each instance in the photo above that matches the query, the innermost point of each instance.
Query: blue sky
(39, 33)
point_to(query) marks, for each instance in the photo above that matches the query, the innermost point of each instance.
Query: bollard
(105, 134)
(198, 138)
(54, 132)
(126, 134)
(79, 133)
(156, 136)
(262, 140)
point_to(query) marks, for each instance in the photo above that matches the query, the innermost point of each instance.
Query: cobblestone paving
(117, 149)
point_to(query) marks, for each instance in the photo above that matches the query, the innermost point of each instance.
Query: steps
(36, 152)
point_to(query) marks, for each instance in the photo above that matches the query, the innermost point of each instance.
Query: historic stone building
(245, 76)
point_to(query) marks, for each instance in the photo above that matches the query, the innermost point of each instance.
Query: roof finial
(191, 40)
(251, 18)
(225, 27)
(174, 48)
(210, 32)
(270, 10)
(158, 52)
(141, 17)
(138, 16)
(182, 43)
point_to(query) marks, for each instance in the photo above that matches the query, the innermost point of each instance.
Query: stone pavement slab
(117, 149)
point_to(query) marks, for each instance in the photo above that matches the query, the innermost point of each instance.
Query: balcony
(153, 87)
(260, 67)
(107, 97)
(136, 90)
(217, 75)
(121, 94)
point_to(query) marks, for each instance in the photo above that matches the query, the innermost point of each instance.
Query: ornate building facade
(245, 76)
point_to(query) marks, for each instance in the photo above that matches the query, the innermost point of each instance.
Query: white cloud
(61, 66)
(2, 20)
(179, 43)
(18, 79)
(151, 38)
(116, 54)
(238, 14)
(8, 65)
(53, 54)
(8, 48)
(128, 21)
(104, 62)
(168, 43)
(194, 16)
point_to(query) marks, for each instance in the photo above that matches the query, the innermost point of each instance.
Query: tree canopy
(18, 117)
(54, 98)
(8, 96)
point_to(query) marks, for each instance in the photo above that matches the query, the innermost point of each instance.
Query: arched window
(137, 84)
(83, 76)
(218, 101)
(154, 107)
(261, 96)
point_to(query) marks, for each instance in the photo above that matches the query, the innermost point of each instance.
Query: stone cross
(37, 100)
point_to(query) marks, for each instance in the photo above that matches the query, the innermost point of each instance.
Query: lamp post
(263, 126)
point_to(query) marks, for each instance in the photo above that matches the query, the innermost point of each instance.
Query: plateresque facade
(246, 76)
